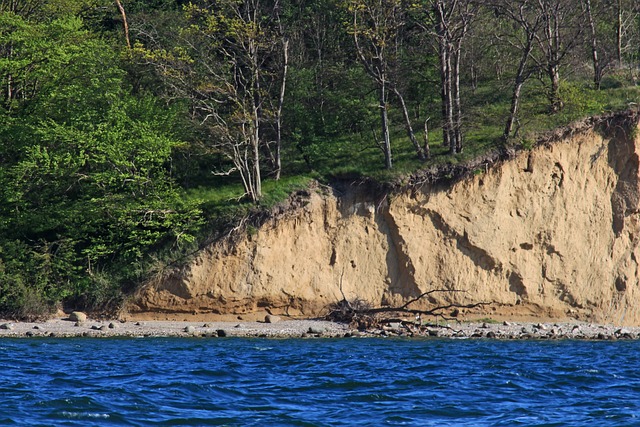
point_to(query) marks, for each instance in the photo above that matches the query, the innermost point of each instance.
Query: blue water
(348, 382)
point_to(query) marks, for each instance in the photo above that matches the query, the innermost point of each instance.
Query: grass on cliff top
(355, 156)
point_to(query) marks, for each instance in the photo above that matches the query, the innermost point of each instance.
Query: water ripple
(257, 382)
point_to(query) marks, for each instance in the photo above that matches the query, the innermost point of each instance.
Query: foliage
(222, 65)
(111, 159)
(84, 178)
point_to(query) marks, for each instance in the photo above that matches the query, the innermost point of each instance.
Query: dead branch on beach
(361, 314)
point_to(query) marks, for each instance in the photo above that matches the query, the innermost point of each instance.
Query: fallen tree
(361, 314)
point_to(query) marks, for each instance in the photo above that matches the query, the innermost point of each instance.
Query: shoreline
(285, 328)
(166, 328)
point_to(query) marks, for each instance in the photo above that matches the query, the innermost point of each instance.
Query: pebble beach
(157, 328)
(275, 327)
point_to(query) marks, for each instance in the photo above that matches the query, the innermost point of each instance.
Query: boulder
(221, 333)
(270, 318)
(540, 327)
(189, 329)
(7, 326)
(78, 316)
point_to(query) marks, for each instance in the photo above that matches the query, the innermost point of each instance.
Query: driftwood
(361, 314)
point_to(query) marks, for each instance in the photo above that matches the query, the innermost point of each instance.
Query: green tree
(84, 177)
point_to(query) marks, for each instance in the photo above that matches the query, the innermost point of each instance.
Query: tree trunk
(384, 121)
(619, 33)
(283, 86)
(9, 91)
(453, 142)
(457, 108)
(125, 24)
(255, 130)
(517, 88)
(407, 121)
(257, 179)
(444, 95)
(513, 112)
(552, 46)
(554, 95)
(445, 85)
(597, 68)
(427, 148)
(9, 95)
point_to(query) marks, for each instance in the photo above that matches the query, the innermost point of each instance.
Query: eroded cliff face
(551, 233)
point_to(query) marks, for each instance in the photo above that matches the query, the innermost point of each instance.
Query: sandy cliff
(553, 232)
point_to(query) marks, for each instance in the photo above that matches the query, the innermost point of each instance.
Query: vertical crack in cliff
(625, 199)
(400, 267)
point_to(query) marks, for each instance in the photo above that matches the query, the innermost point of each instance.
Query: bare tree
(24, 8)
(376, 27)
(627, 19)
(598, 67)
(619, 31)
(283, 89)
(557, 37)
(523, 15)
(222, 64)
(372, 35)
(276, 84)
(449, 22)
(608, 25)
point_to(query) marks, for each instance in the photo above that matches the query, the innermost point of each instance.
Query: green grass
(222, 204)
(355, 156)
(231, 194)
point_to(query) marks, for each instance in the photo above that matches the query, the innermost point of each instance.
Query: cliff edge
(550, 232)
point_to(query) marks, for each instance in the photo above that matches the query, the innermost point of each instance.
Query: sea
(318, 382)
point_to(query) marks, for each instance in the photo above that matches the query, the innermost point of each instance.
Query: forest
(133, 133)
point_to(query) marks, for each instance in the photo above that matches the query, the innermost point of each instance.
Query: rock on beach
(286, 328)
(78, 316)
(270, 318)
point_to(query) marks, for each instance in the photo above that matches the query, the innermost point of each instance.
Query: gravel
(90, 328)
(315, 328)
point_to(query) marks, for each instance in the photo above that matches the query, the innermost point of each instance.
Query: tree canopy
(131, 131)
